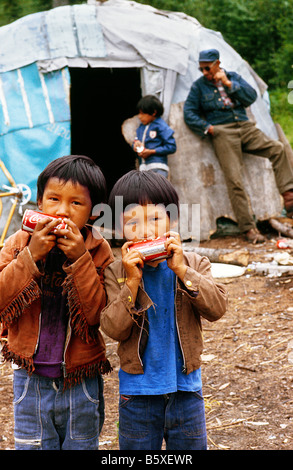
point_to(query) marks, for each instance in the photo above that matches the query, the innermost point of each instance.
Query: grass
(282, 111)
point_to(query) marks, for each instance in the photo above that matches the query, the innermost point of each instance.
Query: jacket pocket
(84, 410)
(209, 102)
(208, 97)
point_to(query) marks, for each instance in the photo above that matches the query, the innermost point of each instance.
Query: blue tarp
(34, 121)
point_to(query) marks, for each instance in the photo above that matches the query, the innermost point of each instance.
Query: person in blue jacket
(216, 106)
(154, 138)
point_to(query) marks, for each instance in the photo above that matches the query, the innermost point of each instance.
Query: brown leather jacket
(126, 321)
(20, 306)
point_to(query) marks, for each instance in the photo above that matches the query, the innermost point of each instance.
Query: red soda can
(31, 218)
(152, 250)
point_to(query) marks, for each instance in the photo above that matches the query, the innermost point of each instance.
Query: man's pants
(230, 141)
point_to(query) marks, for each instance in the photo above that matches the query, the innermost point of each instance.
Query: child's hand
(42, 240)
(147, 153)
(71, 241)
(133, 263)
(137, 143)
(174, 248)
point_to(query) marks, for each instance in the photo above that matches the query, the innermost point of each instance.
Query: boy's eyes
(135, 222)
(55, 198)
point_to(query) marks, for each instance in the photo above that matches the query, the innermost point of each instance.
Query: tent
(70, 78)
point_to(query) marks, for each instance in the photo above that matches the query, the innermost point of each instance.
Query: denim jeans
(48, 418)
(179, 418)
(161, 172)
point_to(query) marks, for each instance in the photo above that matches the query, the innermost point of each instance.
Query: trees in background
(260, 30)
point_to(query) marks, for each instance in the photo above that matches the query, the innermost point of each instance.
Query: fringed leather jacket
(126, 321)
(20, 306)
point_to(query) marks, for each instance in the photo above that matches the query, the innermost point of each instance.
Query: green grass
(282, 111)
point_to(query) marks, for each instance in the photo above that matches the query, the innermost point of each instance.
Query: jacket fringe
(78, 321)
(26, 363)
(72, 377)
(76, 376)
(27, 296)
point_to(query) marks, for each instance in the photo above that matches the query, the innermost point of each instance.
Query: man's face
(208, 69)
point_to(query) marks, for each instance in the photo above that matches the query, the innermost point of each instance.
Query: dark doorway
(101, 99)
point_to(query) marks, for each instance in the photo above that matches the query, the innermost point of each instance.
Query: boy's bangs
(143, 188)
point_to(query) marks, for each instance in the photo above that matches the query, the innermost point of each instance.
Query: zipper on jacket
(40, 318)
(184, 368)
(139, 339)
(68, 336)
(39, 332)
(141, 330)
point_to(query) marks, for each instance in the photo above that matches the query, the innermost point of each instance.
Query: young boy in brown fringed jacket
(51, 295)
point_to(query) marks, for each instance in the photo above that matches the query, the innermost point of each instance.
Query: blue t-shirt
(162, 358)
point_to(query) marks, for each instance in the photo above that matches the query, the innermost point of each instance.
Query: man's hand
(220, 75)
(211, 130)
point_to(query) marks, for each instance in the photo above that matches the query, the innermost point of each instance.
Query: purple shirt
(54, 318)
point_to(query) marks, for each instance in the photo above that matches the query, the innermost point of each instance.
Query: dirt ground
(247, 368)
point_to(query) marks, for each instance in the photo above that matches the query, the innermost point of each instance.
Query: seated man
(216, 106)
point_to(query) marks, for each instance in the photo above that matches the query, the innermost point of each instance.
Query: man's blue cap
(210, 55)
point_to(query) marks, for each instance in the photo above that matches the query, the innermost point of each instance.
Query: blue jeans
(161, 172)
(48, 418)
(178, 417)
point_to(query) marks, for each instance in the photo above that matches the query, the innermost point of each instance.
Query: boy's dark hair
(150, 104)
(142, 188)
(78, 169)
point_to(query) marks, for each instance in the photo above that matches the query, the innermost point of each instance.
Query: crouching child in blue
(154, 311)
(154, 136)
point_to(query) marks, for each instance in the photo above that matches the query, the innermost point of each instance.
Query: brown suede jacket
(20, 306)
(126, 321)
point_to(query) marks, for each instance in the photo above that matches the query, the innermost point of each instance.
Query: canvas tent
(70, 76)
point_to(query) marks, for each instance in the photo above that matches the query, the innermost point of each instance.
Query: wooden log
(237, 257)
(281, 227)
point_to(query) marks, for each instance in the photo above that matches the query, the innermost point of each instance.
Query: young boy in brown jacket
(154, 310)
(51, 295)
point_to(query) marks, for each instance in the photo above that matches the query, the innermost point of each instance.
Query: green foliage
(282, 111)
(260, 30)
(11, 10)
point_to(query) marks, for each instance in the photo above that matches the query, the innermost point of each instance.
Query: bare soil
(247, 366)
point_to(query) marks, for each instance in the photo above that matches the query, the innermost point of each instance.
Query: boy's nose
(63, 210)
(144, 232)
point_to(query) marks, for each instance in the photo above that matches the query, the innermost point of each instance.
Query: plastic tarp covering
(34, 92)
(34, 121)
(69, 31)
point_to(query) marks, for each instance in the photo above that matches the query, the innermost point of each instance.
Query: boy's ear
(40, 204)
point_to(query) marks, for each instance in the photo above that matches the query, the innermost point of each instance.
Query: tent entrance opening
(101, 99)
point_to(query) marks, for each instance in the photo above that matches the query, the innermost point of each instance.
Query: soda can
(31, 218)
(152, 250)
